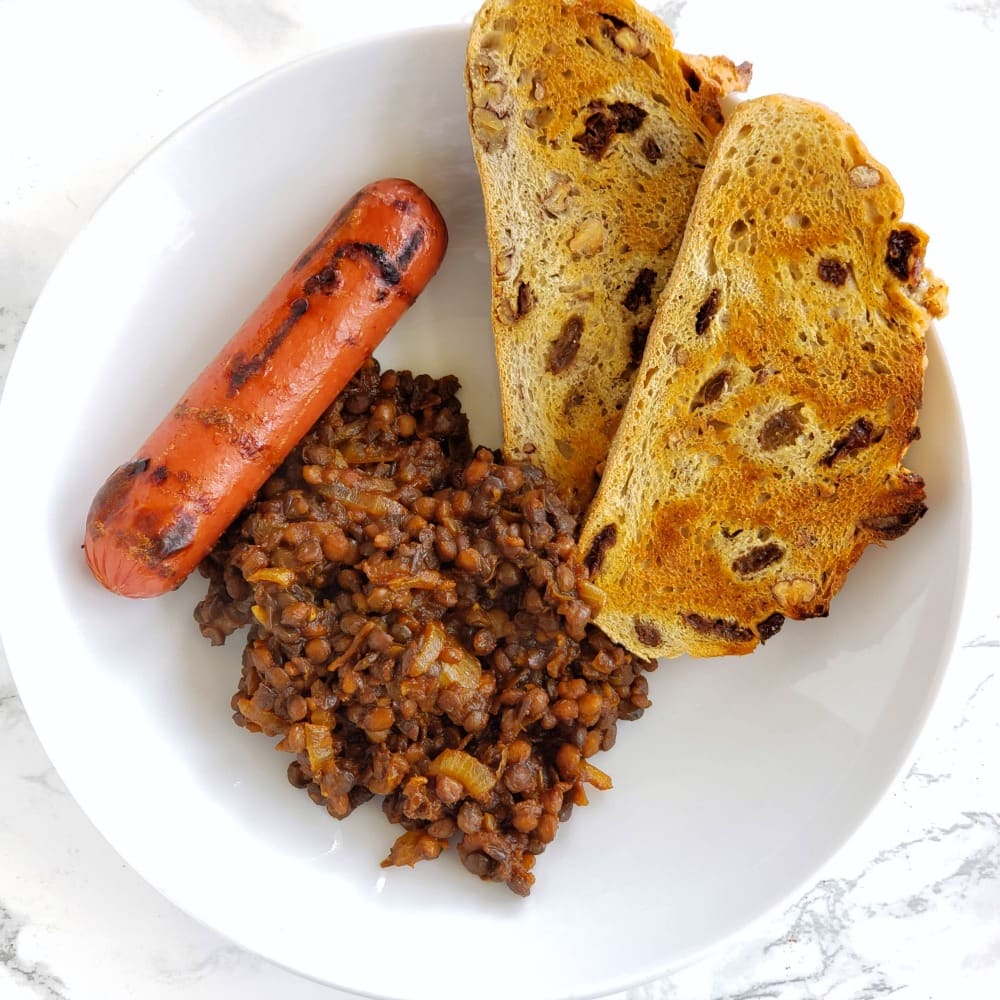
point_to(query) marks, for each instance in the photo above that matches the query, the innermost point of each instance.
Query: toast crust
(762, 448)
(590, 132)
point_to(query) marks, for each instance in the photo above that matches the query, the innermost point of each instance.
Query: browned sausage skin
(158, 514)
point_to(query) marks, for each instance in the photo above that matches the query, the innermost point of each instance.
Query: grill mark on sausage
(338, 220)
(324, 280)
(177, 536)
(388, 271)
(243, 368)
(209, 417)
(249, 446)
(413, 244)
(223, 420)
(111, 496)
(201, 502)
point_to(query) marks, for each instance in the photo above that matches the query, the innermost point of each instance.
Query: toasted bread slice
(762, 447)
(590, 132)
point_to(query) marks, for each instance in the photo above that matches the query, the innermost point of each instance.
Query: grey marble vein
(36, 976)
(987, 10)
(925, 778)
(963, 721)
(670, 12)
(982, 642)
(47, 779)
(12, 322)
(225, 958)
(817, 954)
(268, 27)
(11, 709)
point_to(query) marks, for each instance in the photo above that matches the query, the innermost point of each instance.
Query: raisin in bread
(761, 450)
(590, 132)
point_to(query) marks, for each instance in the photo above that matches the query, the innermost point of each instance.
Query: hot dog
(159, 513)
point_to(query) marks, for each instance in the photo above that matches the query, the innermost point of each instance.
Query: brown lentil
(429, 600)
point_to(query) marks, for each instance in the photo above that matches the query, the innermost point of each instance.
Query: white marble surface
(911, 906)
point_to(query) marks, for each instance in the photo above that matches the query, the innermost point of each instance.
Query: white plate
(742, 780)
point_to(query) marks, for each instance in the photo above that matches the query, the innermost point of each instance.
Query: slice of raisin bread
(590, 132)
(762, 447)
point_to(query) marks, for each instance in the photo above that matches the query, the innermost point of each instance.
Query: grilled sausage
(161, 512)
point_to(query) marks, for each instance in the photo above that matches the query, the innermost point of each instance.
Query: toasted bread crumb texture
(590, 132)
(762, 448)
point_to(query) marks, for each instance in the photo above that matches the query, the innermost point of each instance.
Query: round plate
(743, 779)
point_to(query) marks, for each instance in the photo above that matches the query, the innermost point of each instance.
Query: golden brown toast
(590, 132)
(761, 450)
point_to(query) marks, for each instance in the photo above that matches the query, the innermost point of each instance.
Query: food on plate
(710, 342)
(590, 132)
(419, 629)
(157, 515)
(762, 448)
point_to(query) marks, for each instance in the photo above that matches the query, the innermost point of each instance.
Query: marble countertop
(911, 905)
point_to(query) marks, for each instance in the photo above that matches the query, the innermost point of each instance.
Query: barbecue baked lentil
(419, 629)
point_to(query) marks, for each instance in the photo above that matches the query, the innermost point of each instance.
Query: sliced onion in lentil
(419, 628)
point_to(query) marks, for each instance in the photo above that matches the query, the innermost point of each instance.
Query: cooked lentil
(419, 629)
